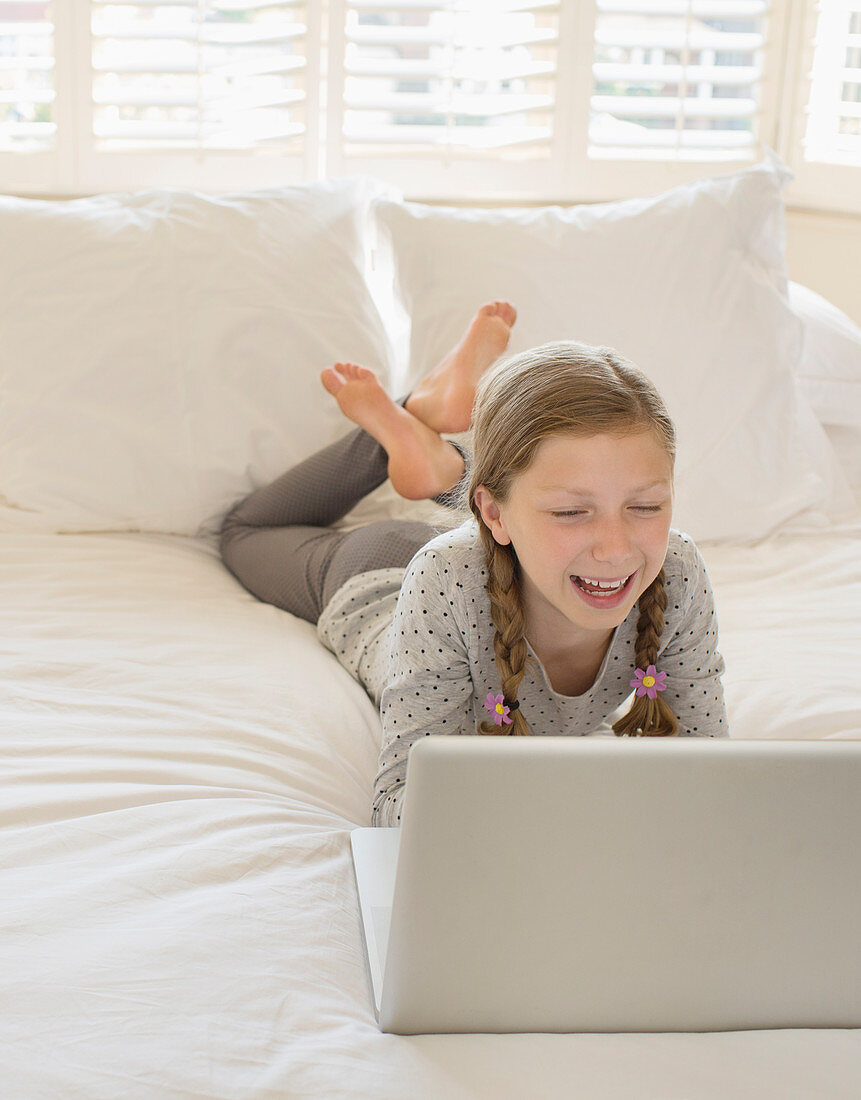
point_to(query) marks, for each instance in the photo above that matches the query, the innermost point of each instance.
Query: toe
(497, 308)
(507, 312)
(331, 380)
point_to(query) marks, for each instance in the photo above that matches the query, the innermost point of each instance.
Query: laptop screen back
(574, 884)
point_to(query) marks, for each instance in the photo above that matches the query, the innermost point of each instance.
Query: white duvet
(181, 766)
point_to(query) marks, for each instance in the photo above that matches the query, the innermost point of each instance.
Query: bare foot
(421, 464)
(443, 400)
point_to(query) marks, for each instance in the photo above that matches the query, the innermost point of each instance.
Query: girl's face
(589, 509)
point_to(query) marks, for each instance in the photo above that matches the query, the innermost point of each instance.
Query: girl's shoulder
(458, 552)
(684, 569)
(682, 547)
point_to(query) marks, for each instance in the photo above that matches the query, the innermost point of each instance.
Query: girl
(566, 587)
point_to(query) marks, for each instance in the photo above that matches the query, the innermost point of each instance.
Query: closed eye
(650, 509)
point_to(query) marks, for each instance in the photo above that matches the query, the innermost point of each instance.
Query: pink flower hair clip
(649, 682)
(499, 708)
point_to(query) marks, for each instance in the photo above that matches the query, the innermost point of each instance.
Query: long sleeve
(430, 688)
(691, 658)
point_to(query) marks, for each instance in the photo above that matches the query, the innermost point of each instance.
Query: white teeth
(605, 584)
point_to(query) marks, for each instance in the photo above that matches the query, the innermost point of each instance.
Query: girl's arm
(430, 689)
(691, 658)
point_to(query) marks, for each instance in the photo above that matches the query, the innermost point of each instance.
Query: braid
(649, 717)
(508, 642)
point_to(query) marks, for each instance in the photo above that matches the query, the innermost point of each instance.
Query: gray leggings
(277, 541)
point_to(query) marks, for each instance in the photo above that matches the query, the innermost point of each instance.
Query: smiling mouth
(601, 589)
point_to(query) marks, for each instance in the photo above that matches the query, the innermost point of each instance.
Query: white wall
(823, 251)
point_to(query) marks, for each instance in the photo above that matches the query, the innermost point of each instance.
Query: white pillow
(161, 350)
(690, 285)
(830, 368)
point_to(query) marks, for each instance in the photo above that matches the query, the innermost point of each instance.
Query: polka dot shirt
(421, 643)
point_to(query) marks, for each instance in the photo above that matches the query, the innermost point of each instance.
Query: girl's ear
(491, 515)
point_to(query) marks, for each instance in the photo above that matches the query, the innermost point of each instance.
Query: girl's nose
(612, 543)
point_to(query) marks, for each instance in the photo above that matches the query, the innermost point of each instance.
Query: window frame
(76, 167)
(835, 188)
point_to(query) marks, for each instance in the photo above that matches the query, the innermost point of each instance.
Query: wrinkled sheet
(181, 767)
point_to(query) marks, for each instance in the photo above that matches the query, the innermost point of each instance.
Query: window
(198, 77)
(676, 80)
(26, 76)
(460, 92)
(833, 131)
(826, 135)
(504, 100)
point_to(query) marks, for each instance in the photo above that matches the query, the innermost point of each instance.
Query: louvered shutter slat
(179, 131)
(676, 38)
(460, 70)
(31, 64)
(224, 36)
(440, 36)
(29, 97)
(673, 74)
(699, 9)
(152, 66)
(657, 107)
(491, 7)
(472, 106)
(429, 136)
(187, 99)
(214, 5)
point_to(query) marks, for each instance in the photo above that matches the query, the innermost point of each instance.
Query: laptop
(564, 884)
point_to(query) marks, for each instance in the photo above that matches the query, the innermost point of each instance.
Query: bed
(183, 764)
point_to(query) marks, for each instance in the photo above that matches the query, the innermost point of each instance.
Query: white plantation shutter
(474, 100)
(677, 79)
(219, 74)
(446, 93)
(822, 141)
(194, 83)
(27, 90)
(833, 131)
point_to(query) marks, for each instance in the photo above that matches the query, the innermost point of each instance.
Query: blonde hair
(563, 388)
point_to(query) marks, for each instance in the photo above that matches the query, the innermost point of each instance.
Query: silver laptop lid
(578, 884)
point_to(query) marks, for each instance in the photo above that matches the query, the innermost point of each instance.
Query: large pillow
(691, 285)
(829, 374)
(161, 350)
(829, 369)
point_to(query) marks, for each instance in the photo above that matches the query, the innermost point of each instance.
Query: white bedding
(181, 768)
